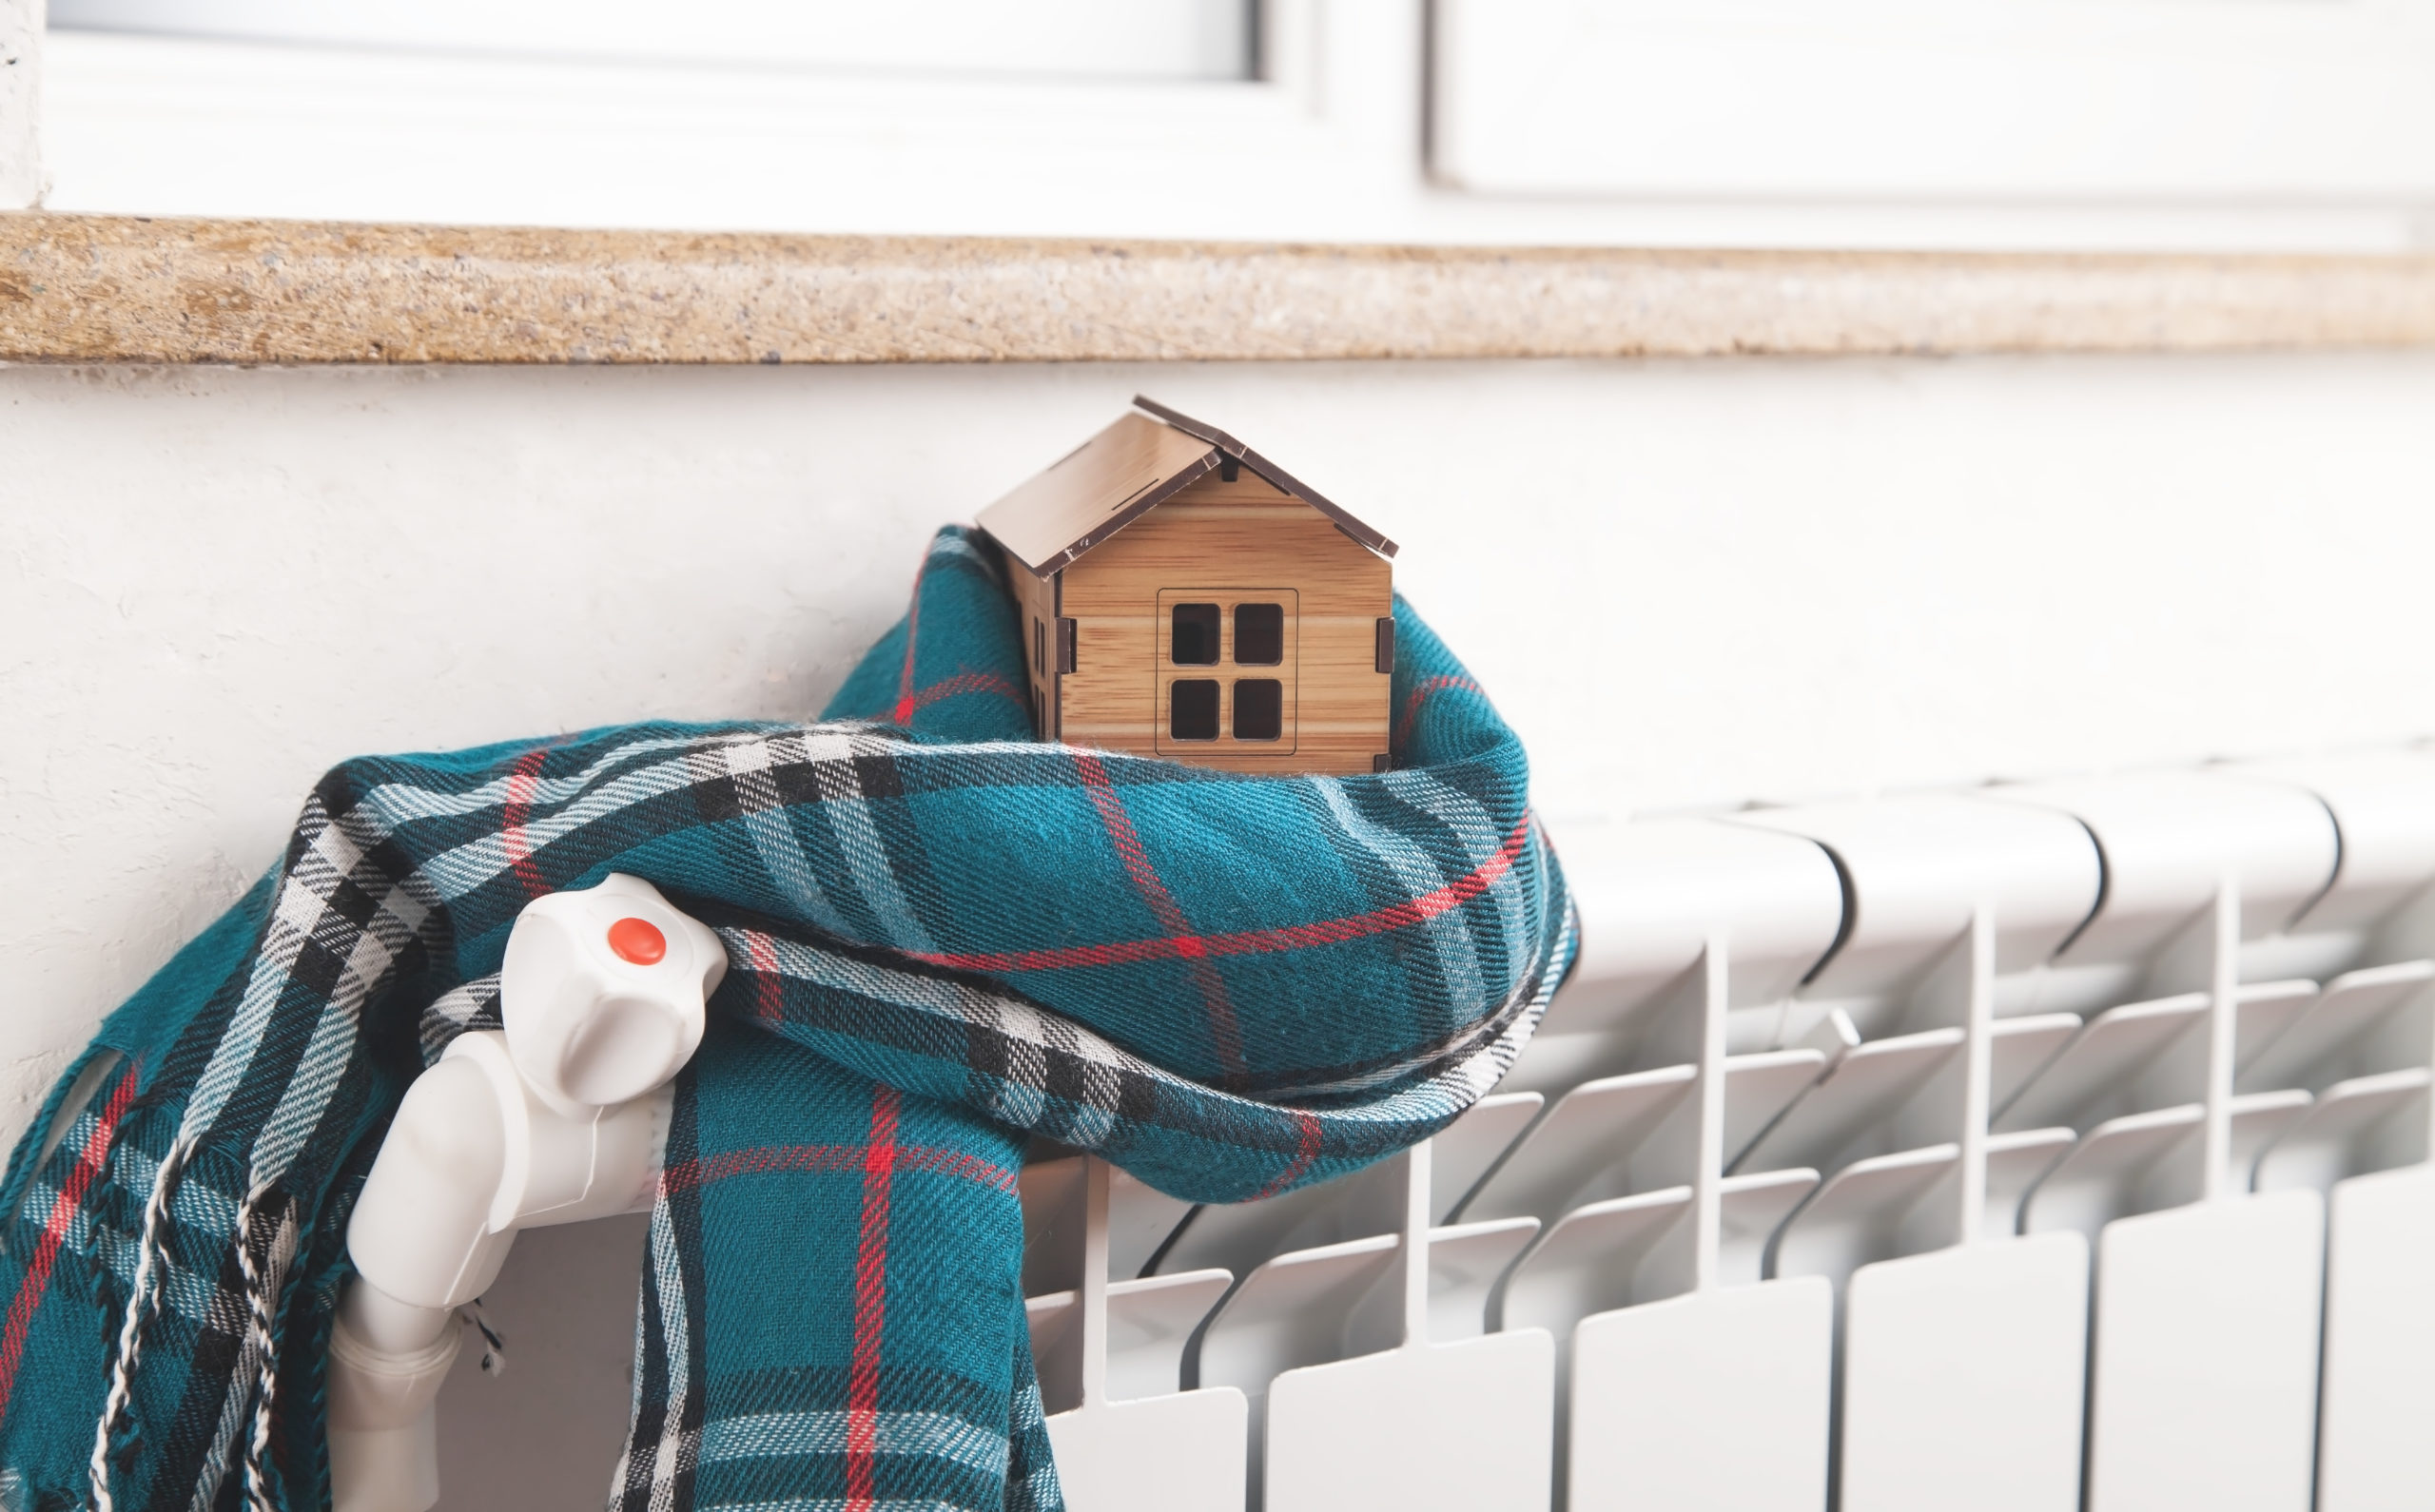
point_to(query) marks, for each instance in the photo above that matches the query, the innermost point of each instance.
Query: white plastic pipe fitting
(602, 991)
(561, 1116)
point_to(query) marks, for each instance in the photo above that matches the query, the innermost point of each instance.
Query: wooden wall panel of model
(1225, 539)
(1036, 622)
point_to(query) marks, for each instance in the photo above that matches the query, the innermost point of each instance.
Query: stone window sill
(77, 288)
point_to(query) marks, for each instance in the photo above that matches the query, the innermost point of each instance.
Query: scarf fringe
(143, 1301)
(266, 1235)
(264, 1280)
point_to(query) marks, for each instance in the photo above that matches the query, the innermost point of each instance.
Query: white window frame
(2057, 102)
(184, 126)
(21, 38)
(1370, 124)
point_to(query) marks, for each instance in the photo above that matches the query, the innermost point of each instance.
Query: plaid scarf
(944, 937)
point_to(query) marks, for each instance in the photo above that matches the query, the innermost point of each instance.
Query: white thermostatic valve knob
(602, 992)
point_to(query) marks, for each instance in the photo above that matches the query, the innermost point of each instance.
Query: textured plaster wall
(1686, 583)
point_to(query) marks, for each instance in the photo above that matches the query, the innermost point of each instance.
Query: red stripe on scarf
(523, 781)
(1420, 695)
(1306, 1153)
(88, 1165)
(1292, 937)
(960, 682)
(768, 991)
(904, 705)
(870, 1302)
(702, 1171)
(1224, 1035)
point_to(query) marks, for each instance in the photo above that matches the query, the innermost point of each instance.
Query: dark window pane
(1196, 637)
(1259, 708)
(1192, 710)
(1259, 634)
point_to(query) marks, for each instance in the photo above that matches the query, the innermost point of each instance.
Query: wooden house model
(1183, 596)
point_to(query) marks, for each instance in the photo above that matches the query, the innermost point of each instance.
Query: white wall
(1686, 583)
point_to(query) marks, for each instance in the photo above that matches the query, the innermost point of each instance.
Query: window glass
(1069, 39)
(1192, 710)
(1259, 708)
(1195, 642)
(1259, 634)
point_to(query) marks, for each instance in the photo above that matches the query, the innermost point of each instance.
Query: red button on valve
(638, 941)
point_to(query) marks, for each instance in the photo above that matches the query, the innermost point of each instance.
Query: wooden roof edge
(1144, 503)
(1201, 430)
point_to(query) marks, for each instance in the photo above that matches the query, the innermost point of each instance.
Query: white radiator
(2024, 1148)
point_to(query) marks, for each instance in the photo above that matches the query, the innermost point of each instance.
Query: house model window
(1221, 629)
(1183, 597)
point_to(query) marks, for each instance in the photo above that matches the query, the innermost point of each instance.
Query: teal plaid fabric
(944, 937)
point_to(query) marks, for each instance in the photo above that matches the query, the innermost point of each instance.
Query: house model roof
(1117, 477)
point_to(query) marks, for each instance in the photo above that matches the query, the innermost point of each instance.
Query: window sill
(76, 288)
